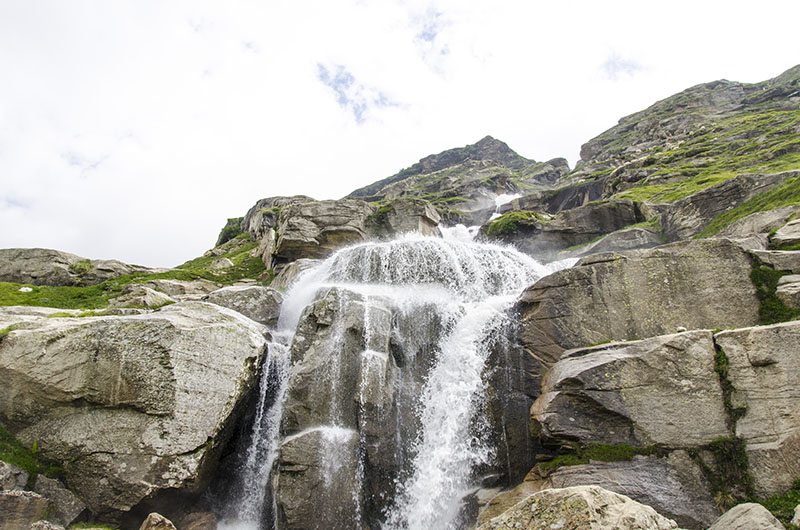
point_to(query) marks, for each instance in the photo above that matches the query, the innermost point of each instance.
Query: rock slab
(579, 508)
(747, 516)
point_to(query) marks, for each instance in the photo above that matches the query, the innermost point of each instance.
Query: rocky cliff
(364, 363)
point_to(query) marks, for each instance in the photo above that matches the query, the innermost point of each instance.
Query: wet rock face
(637, 294)
(315, 480)
(130, 406)
(580, 507)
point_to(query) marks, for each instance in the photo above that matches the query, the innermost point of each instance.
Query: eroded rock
(20, 509)
(658, 391)
(66, 505)
(638, 294)
(12, 477)
(262, 304)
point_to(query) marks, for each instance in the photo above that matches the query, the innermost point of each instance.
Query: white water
(468, 287)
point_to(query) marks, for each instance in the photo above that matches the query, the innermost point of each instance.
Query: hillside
(615, 344)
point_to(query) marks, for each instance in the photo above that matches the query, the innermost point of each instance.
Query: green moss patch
(786, 194)
(596, 451)
(771, 309)
(507, 223)
(729, 478)
(721, 366)
(13, 452)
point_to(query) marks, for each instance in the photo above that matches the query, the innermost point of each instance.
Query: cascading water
(383, 414)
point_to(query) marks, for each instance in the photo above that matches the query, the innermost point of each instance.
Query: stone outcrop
(41, 266)
(747, 516)
(637, 294)
(673, 485)
(316, 229)
(579, 508)
(787, 235)
(404, 215)
(262, 304)
(130, 406)
(136, 295)
(543, 236)
(659, 391)
(765, 370)
(688, 216)
(625, 239)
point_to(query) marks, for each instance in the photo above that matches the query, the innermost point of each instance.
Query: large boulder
(262, 304)
(131, 407)
(579, 508)
(787, 235)
(747, 516)
(764, 371)
(137, 295)
(658, 391)
(673, 485)
(637, 294)
(41, 266)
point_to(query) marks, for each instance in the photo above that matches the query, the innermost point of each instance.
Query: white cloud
(133, 129)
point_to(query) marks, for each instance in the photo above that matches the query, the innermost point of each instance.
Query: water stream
(417, 318)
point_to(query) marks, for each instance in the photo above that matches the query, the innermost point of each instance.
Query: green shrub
(782, 506)
(81, 267)
(771, 309)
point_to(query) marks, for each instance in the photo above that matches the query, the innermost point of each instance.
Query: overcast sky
(133, 129)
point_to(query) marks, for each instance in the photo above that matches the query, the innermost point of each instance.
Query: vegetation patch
(92, 297)
(782, 506)
(231, 229)
(13, 452)
(761, 140)
(507, 223)
(583, 454)
(771, 309)
(786, 194)
(730, 479)
(721, 366)
(81, 267)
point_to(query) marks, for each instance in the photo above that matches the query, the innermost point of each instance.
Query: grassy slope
(97, 296)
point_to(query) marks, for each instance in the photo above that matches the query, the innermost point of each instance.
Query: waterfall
(382, 414)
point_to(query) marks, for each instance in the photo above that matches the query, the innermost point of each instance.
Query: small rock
(788, 234)
(199, 521)
(220, 264)
(20, 509)
(25, 289)
(747, 516)
(139, 295)
(157, 521)
(796, 519)
(789, 290)
(67, 505)
(12, 477)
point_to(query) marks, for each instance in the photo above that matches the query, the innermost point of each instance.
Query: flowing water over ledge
(373, 400)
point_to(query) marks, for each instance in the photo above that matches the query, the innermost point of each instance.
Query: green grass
(786, 194)
(730, 480)
(761, 140)
(97, 296)
(721, 367)
(782, 506)
(14, 453)
(507, 223)
(87, 526)
(771, 309)
(596, 451)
